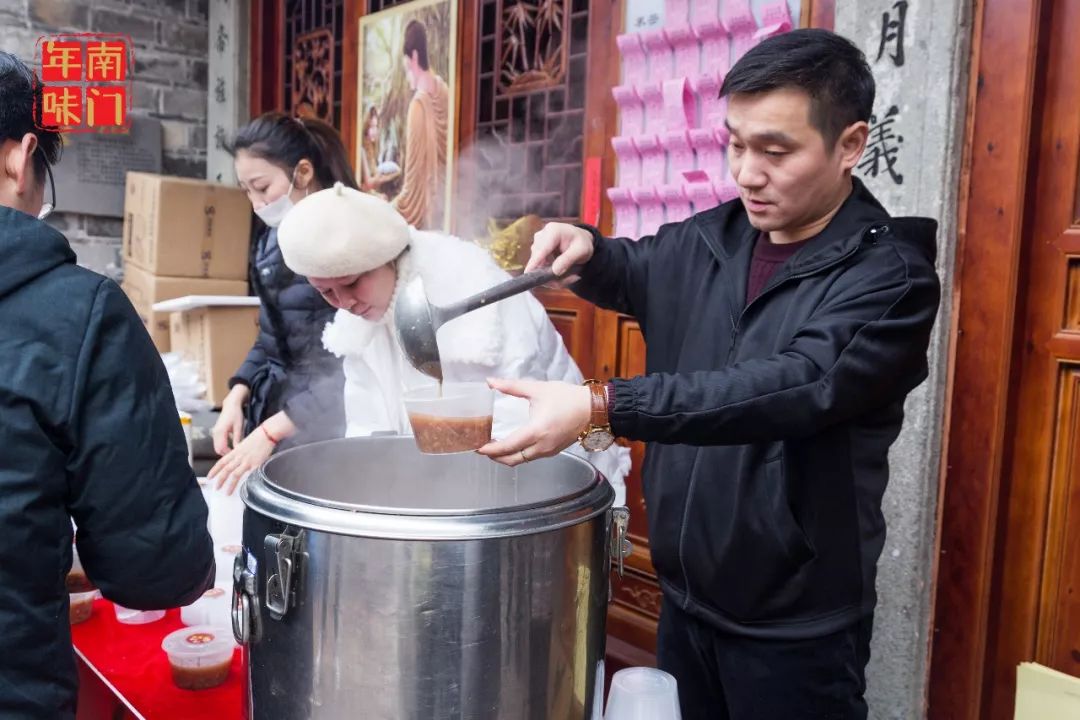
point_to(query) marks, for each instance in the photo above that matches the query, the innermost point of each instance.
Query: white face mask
(274, 212)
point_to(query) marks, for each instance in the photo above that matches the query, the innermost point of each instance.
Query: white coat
(511, 339)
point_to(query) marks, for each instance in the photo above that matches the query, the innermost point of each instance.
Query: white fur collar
(452, 269)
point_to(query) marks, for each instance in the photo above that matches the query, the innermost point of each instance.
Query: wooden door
(1035, 597)
(635, 608)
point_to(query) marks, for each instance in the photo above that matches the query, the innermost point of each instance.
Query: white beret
(341, 231)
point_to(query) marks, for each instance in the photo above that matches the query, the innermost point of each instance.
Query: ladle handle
(514, 286)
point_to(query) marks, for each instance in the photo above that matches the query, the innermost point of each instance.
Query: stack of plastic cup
(128, 616)
(641, 693)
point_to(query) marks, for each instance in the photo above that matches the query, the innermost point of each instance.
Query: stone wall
(169, 83)
(919, 52)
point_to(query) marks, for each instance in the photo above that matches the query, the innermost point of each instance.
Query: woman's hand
(251, 453)
(229, 429)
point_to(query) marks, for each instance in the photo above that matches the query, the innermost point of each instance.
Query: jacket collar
(727, 229)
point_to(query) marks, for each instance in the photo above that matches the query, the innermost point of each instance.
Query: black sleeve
(142, 533)
(257, 356)
(616, 276)
(864, 348)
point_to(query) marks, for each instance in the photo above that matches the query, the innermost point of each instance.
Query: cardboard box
(181, 227)
(144, 289)
(217, 339)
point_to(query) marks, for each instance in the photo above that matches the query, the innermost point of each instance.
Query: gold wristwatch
(597, 436)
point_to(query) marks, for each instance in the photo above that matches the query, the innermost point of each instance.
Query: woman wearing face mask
(366, 252)
(289, 388)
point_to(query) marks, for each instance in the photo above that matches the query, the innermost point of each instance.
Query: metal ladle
(416, 320)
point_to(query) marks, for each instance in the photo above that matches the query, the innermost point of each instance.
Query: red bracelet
(269, 437)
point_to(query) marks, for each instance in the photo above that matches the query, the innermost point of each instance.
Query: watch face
(597, 440)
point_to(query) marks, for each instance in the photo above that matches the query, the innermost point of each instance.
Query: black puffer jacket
(88, 431)
(288, 368)
(769, 424)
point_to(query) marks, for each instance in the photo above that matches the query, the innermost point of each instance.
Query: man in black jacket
(784, 330)
(88, 432)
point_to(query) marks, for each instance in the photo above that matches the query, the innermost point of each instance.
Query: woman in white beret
(358, 251)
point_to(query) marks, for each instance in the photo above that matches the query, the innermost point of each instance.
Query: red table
(129, 661)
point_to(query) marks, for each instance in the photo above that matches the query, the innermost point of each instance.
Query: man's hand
(561, 246)
(558, 413)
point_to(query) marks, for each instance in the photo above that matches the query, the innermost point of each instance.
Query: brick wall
(169, 83)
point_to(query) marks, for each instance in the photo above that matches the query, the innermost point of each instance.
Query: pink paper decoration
(629, 161)
(739, 21)
(651, 208)
(680, 109)
(653, 159)
(700, 190)
(676, 202)
(707, 88)
(653, 95)
(687, 51)
(679, 151)
(631, 109)
(626, 212)
(635, 66)
(676, 13)
(775, 19)
(710, 154)
(661, 57)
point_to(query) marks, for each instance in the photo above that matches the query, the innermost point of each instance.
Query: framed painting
(406, 110)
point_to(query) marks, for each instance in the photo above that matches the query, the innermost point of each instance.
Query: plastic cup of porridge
(76, 580)
(81, 606)
(200, 656)
(456, 419)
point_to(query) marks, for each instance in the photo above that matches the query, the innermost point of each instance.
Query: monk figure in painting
(421, 200)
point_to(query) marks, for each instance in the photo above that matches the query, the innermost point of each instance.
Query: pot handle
(620, 546)
(244, 614)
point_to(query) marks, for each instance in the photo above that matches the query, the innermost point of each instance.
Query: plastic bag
(189, 390)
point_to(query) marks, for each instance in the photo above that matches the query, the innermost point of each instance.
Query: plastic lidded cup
(641, 693)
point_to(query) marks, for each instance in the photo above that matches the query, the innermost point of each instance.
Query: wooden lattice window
(313, 58)
(529, 123)
(377, 5)
(532, 44)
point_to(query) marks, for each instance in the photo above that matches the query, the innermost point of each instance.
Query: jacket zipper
(797, 276)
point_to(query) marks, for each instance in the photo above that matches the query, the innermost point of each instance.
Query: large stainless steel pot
(377, 583)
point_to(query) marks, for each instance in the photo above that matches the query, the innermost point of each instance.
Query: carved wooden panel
(573, 318)
(640, 592)
(377, 5)
(530, 123)
(313, 76)
(313, 32)
(1059, 622)
(533, 48)
(623, 355)
(1072, 301)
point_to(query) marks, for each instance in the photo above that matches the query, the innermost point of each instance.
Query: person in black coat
(89, 432)
(783, 331)
(289, 389)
